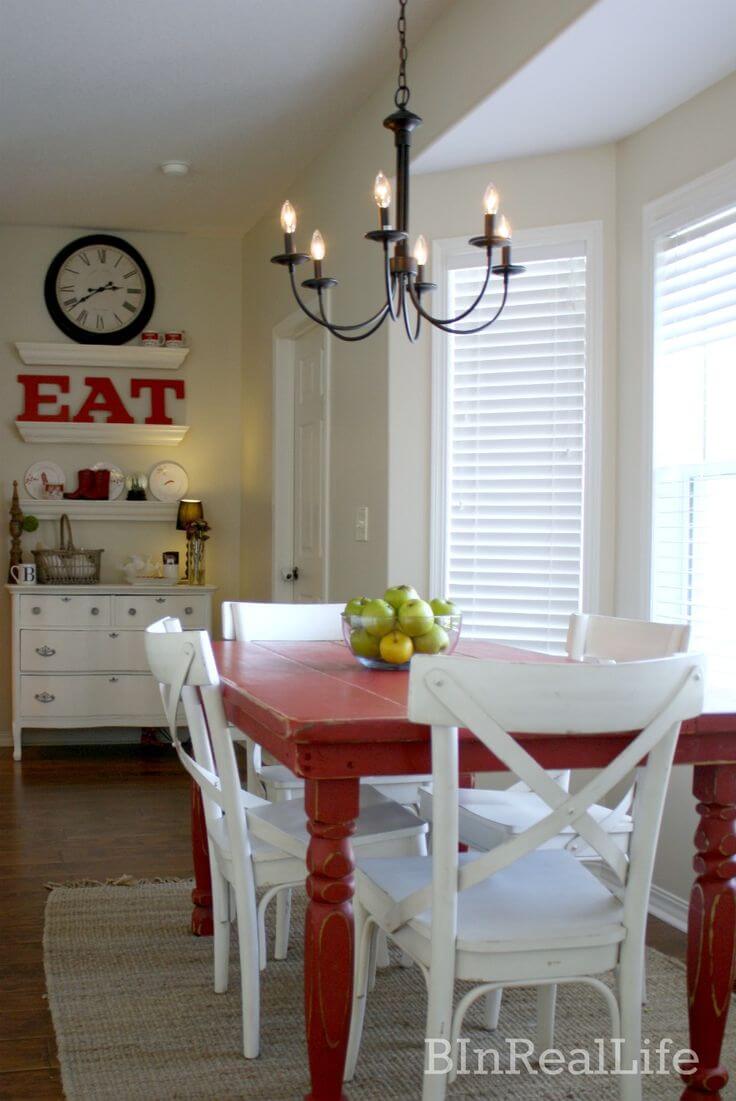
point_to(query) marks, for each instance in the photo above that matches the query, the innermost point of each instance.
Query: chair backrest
(492, 698)
(183, 664)
(610, 638)
(251, 622)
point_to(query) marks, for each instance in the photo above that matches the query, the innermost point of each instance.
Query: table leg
(332, 807)
(202, 925)
(711, 928)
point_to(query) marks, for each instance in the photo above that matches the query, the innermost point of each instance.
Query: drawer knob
(44, 697)
(160, 599)
(114, 634)
(188, 611)
(114, 680)
(36, 610)
(132, 611)
(65, 599)
(45, 651)
(94, 611)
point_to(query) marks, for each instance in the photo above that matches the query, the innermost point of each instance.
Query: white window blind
(515, 454)
(694, 514)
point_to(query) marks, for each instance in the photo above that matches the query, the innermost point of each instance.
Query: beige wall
(683, 145)
(197, 288)
(479, 42)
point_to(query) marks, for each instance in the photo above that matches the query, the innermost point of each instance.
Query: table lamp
(189, 510)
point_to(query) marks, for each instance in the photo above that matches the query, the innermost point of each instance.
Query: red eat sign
(45, 391)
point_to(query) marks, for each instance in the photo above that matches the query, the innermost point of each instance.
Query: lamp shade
(188, 511)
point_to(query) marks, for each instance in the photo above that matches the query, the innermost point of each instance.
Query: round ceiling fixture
(175, 168)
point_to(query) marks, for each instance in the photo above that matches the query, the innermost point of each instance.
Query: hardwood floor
(96, 813)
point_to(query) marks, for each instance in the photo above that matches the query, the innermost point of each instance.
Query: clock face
(99, 290)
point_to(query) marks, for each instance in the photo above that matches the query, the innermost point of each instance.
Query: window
(694, 433)
(510, 496)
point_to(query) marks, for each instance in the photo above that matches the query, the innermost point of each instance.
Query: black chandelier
(403, 272)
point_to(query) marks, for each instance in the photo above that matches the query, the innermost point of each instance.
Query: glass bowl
(355, 634)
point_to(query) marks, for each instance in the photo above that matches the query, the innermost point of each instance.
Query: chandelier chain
(401, 98)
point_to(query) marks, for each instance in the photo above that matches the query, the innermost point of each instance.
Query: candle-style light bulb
(421, 250)
(317, 248)
(382, 191)
(288, 218)
(503, 229)
(491, 199)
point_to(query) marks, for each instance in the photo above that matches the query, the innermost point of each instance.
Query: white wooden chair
(256, 622)
(522, 915)
(489, 817)
(253, 844)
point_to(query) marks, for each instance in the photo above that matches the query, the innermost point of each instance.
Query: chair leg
(546, 1003)
(382, 957)
(221, 928)
(365, 942)
(491, 1004)
(249, 973)
(630, 976)
(283, 922)
(439, 1031)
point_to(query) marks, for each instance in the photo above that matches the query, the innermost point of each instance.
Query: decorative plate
(41, 474)
(117, 479)
(168, 481)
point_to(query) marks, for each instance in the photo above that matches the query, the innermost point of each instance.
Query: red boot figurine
(85, 488)
(101, 490)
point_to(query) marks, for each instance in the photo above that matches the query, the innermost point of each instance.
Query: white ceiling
(623, 64)
(95, 94)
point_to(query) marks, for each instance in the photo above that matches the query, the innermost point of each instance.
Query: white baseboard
(670, 908)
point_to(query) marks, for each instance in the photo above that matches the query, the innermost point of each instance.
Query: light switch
(361, 524)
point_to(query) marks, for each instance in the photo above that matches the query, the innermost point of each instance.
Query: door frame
(284, 338)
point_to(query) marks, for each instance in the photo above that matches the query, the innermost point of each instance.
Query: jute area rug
(136, 1019)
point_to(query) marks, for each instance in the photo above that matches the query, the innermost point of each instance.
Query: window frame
(448, 254)
(702, 197)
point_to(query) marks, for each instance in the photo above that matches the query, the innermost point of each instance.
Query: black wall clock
(99, 290)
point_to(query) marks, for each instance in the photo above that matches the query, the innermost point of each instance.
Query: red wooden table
(331, 721)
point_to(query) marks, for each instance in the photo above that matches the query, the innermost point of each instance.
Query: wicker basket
(67, 564)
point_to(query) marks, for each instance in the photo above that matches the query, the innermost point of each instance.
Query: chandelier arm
(322, 320)
(390, 281)
(413, 337)
(446, 328)
(461, 316)
(383, 314)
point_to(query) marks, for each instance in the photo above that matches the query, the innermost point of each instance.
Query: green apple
(415, 617)
(364, 645)
(434, 642)
(399, 595)
(443, 607)
(378, 617)
(356, 605)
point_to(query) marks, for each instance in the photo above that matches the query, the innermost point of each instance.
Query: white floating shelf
(160, 435)
(101, 355)
(146, 511)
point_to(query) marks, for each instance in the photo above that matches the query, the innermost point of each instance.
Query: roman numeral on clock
(102, 255)
(100, 321)
(129, 306)
(82, 317)
(127, 274)
(67, 288)
(84, 258)
(134, 290)
(69, 302)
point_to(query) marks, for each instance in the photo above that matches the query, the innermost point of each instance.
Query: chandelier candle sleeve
(404, 272)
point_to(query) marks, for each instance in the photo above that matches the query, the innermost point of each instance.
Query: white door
(309, 466)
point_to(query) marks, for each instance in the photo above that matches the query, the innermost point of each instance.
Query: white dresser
(78, 653)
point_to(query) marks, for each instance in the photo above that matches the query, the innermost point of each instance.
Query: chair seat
(402, 788)
(381, 820)
(279, 776)
(546, 900)
(489, 817)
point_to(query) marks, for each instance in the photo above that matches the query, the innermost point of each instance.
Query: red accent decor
(103, 398)
(202, 924)
(34, 399)
(158, 388)
(330, 721)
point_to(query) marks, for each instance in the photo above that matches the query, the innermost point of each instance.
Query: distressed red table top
(320, 712)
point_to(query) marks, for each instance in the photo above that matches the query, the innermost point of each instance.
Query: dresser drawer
(139, 611)
(82, 651)
(51, 610)
(91, 696)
